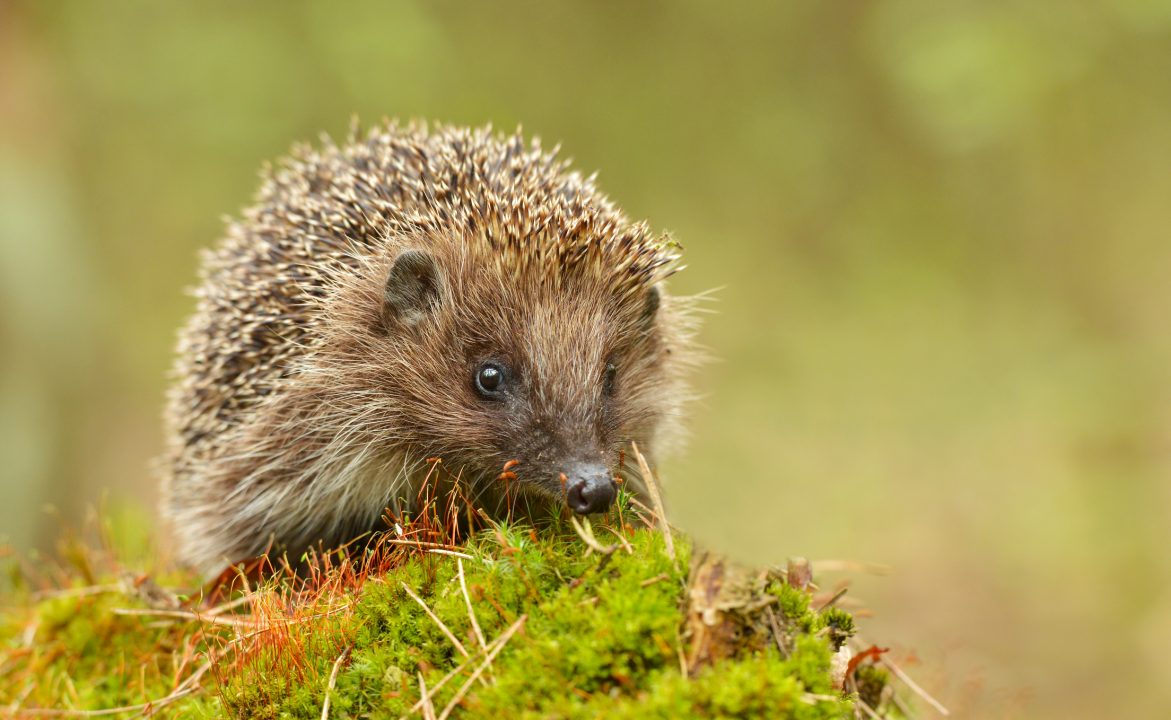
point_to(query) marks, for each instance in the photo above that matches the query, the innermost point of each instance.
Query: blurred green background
(942, 233)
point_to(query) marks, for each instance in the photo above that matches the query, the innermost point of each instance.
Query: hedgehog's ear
(650, 308)
(412, 289)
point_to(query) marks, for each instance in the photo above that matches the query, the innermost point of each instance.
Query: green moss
(74, 651)
(794, 604)
(839, 625)
(601, 637)
(871, 681)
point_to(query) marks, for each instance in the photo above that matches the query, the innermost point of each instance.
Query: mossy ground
(572, 633)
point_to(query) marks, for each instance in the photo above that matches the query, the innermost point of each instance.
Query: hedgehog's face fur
(523, 382)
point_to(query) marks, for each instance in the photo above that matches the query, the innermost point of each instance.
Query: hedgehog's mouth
(585, 487)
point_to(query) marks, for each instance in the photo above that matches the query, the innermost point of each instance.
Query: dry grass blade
(230, 605)
(898, 702)
(868, 710)
(463, 689)
(656, 497)
(585, 531)
(329, 686)
(78, 592)
(230, 621)
(447, 678)
(625, 543)
(141, 707)
(29, 635)
(443, 681)
(898, 672)
(187, 687)
(428, 708)
(463, 585)
(435, 619)
(906, 680)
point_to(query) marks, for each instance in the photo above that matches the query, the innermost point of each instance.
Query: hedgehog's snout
(589, 488)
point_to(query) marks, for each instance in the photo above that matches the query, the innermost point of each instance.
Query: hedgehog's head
(529, 365)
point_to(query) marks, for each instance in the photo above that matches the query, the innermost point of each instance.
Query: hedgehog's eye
(490, 380)
(608, 378)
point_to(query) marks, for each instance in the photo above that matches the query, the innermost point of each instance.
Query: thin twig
(463, 689)
(679, 651)
(643, 510)
(435, 618)
(778, 635)
(823, 566)
(329, 686)
(656, 579)
(28, 690)
(829, 603)
(419, 543)
(463, 585)
(452, 553)
(656, 498)
(814, 698)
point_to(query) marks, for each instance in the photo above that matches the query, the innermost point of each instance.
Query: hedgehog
(418, 293)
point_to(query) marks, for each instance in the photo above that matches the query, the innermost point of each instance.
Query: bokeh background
(942, 233)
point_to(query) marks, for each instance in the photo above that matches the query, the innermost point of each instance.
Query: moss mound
(559, 622)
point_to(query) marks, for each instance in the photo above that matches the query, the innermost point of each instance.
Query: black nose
(589, 489)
